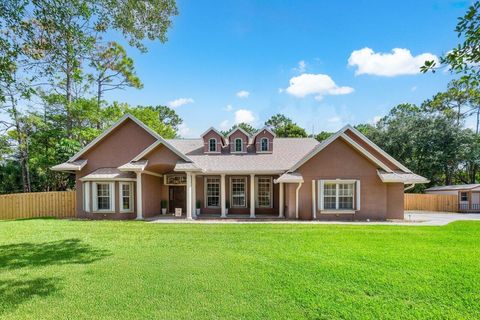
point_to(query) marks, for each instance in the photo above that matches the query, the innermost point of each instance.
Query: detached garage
(468, 195)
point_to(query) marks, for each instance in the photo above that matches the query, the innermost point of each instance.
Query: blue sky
(306, 59)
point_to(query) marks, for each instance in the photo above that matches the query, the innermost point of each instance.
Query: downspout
(296, 199)
(409, 187)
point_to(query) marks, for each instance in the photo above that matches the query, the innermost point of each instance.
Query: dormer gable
(238, 139)
(213, 141)
(263, 140)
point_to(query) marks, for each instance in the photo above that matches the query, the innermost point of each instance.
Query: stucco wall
(341, 161)
(151, 195)
(395, 200)
(161, 160)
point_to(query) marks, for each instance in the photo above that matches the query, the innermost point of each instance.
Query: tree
(114, 70)
(284, 127)
(465, 58)
(323, 136)
(245, 126)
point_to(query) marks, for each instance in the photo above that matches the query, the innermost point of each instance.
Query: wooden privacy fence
(431, 202)
(60, 204)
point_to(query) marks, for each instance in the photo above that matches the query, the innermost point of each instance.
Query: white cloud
(280, 90)
(183, 130)
(244, 115)
(224, 125)
(180, 102)
(243, 94)
(376, 119)
(398, 62)
(228, 107)
(302, 66)
(318, 84)
(414, 88)
(335, 119)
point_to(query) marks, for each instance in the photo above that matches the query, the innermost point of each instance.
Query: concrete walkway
(412, 218)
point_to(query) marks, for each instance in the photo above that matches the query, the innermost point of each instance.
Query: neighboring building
(468, 195)
(126, 172)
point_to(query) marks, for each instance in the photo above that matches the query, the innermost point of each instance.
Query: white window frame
(206, 192)
(257, 189)
(235, 145)
(86, 196)
(210, 145)
(112, 197)
(356, 195)
(244, 179)
(120, 197)
(261, 144)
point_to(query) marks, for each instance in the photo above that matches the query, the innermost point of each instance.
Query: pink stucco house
(127, 171)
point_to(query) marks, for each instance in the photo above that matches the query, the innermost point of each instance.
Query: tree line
(57, 62)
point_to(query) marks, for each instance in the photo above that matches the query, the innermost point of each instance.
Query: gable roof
(239, 129)
(454, 187)
(341, 134)
(216, 131)
(267, 128)
(126, 117)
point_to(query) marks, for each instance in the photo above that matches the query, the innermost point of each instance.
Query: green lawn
(77, 269)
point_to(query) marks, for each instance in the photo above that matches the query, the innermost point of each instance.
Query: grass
(57, 269)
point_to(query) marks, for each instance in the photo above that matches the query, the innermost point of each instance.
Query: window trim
(245, 195)
(466, 194)
(120, 197)
(210, 145)
(111, 185)
(235, 145)
(205, 181)
(86, 196)
(261, 144)
(356, 196)
(257, 205)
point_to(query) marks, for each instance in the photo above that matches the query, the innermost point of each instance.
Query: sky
(322, 63)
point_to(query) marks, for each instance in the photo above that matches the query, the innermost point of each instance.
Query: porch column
(194, 195)
(223, 196)
(189, 196)
(252, 196)
(281, 205)
(139, 196)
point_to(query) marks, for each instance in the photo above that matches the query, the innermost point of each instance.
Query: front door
(176, 199)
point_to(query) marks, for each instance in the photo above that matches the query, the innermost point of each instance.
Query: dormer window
(264, 144)
(212, 145)
(238, 145)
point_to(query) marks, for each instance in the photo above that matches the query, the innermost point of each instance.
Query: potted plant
(199, 205)
(163, 205)
(227, 205)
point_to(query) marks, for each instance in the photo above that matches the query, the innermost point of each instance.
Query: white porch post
(194, 195)
(281, 205)
(223, 196)
(189, 196)
(252, 196)
(314, 203)
(139, 196)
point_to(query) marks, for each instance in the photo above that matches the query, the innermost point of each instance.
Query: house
(468, 195)
(128, 170)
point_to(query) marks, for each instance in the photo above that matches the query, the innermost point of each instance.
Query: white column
(139, 196)
(194, 195)
(296, 199)
(223, 196)
(252, 196)
(314, 203)
(189, 196)
(281, 205)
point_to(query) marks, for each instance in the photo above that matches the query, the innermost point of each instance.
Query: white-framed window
(341, 195)
(104, 196)
(264, 144)
(238, 145)
(212, 145)
(463, 196)
(86, 196)
(126, 196)
(264, 189)
(238, 192)
(212, 192)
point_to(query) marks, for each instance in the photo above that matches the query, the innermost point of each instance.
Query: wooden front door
(176, 199)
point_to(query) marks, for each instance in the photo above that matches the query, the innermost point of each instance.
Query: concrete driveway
(427, 218)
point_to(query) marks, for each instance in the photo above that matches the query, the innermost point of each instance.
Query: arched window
(264, 144)
(212, 145)
(238, 145)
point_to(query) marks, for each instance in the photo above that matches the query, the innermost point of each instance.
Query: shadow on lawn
(15, 292)
(69, 251)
